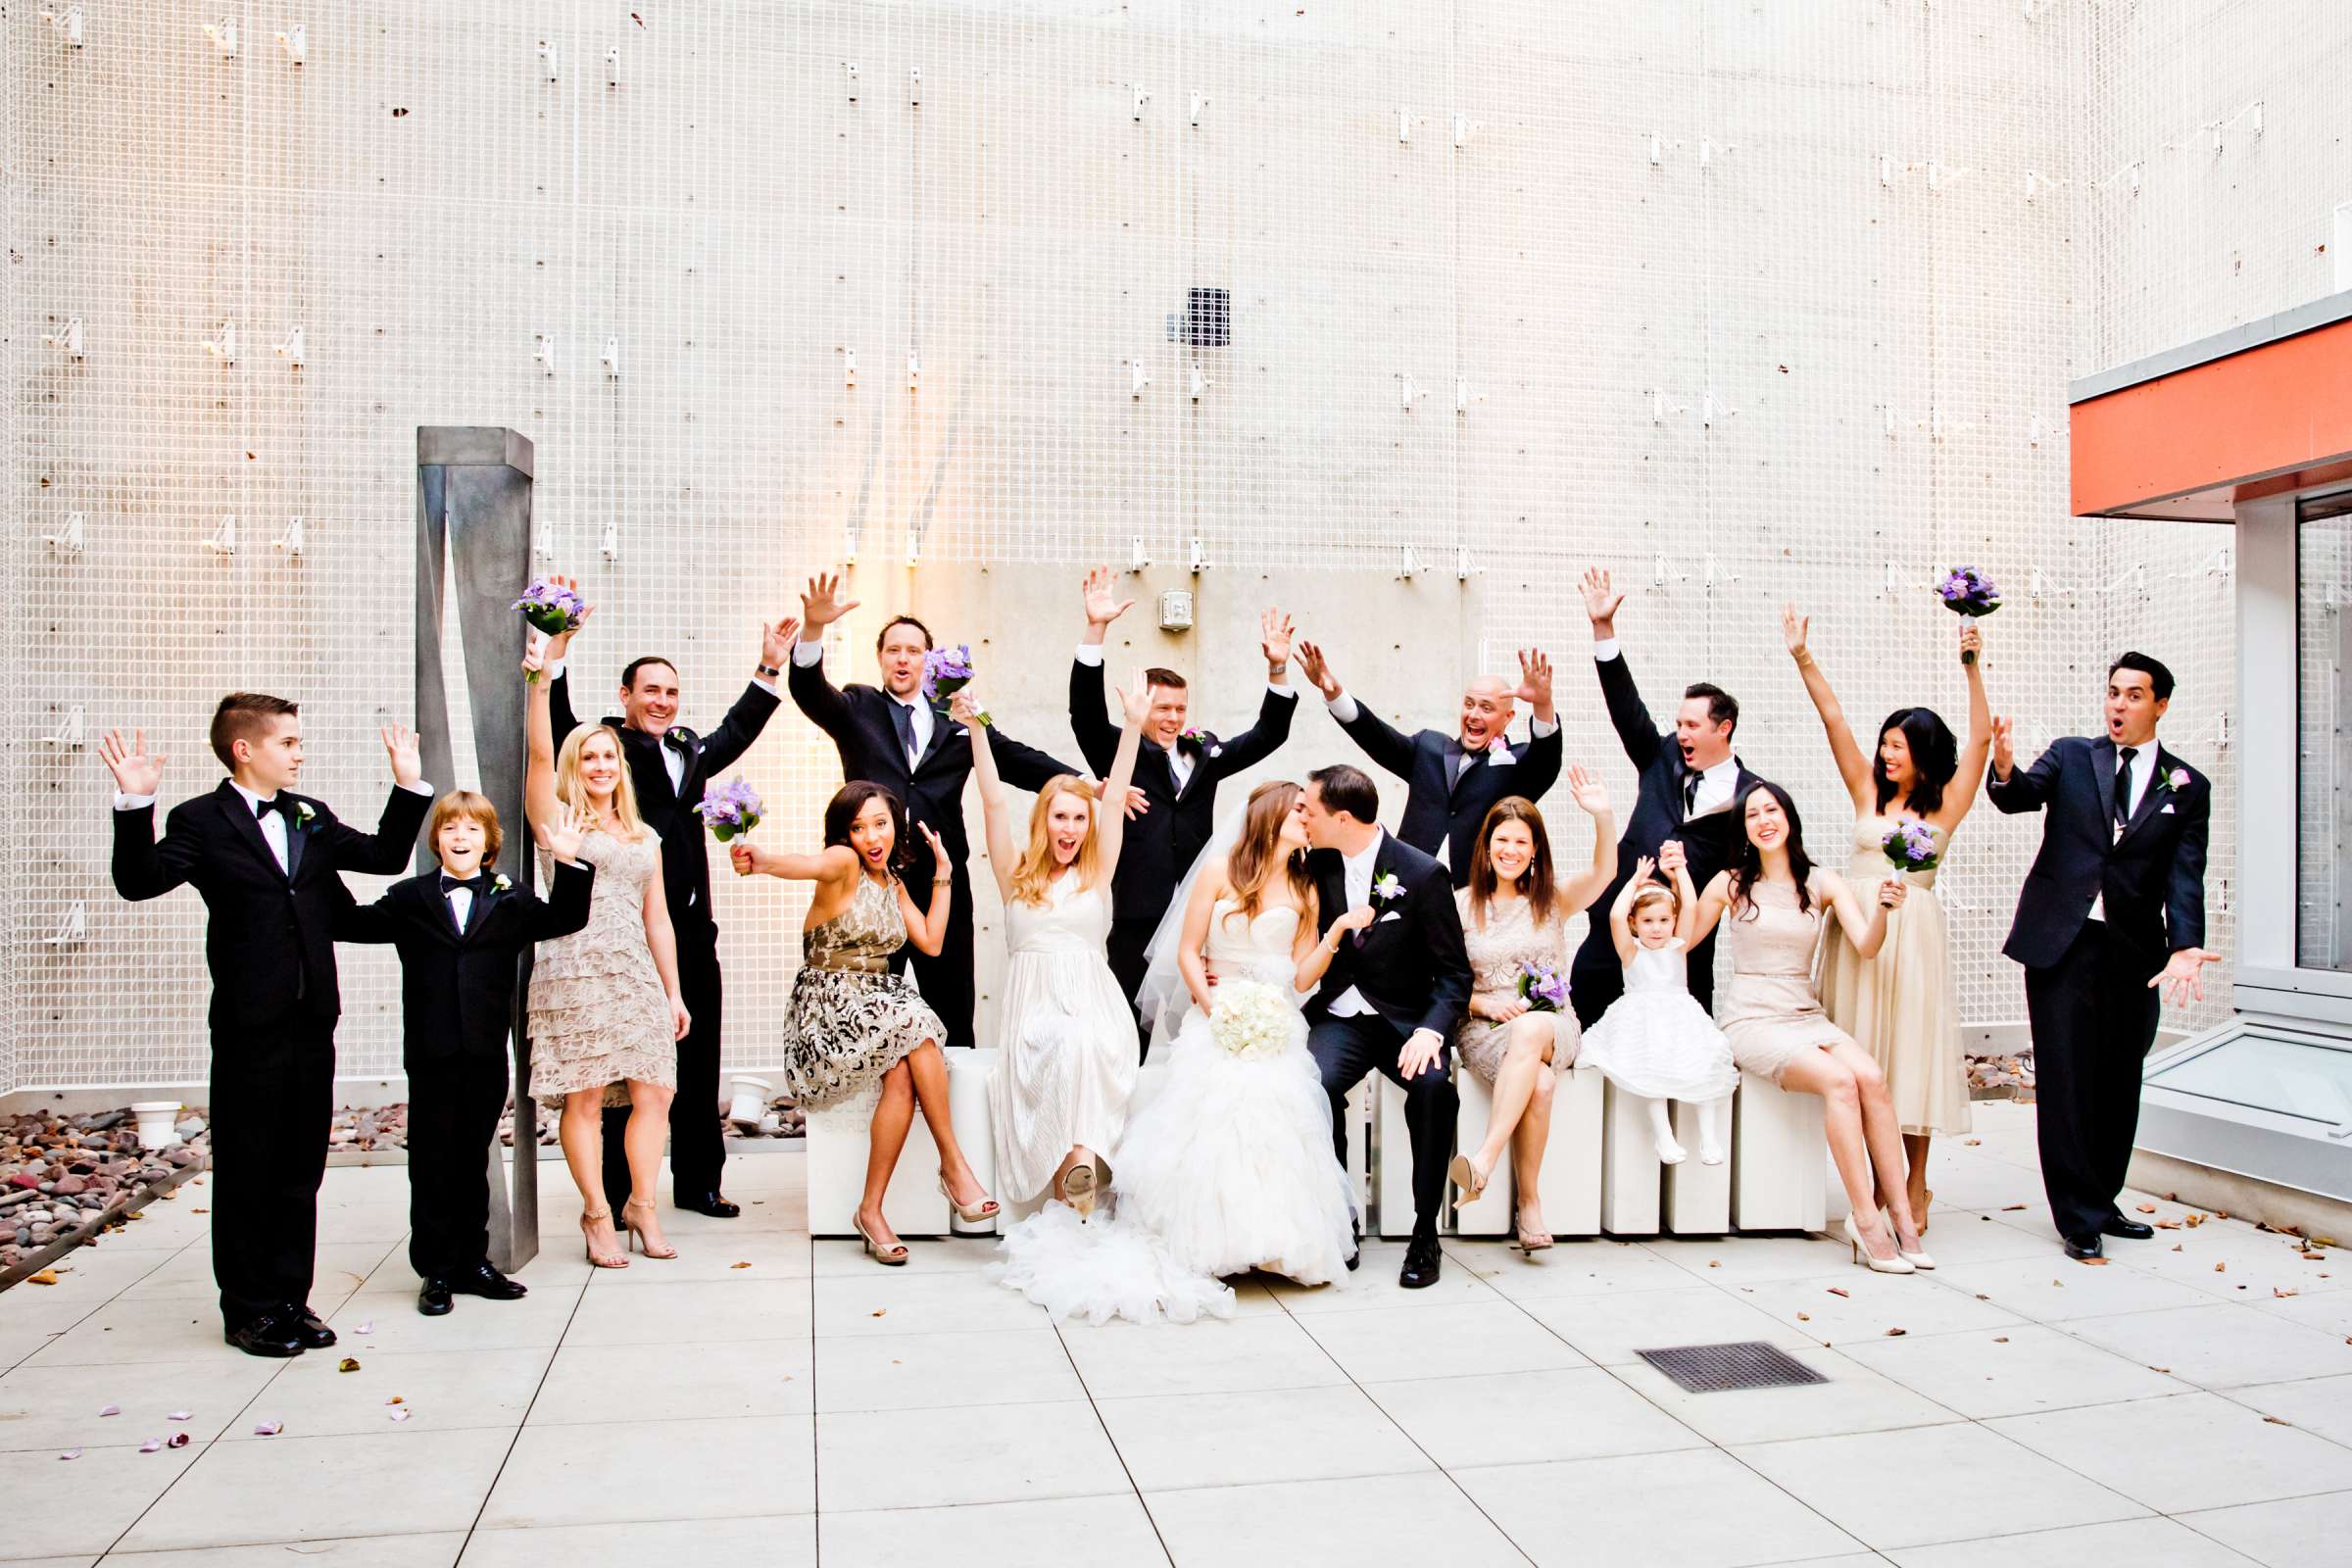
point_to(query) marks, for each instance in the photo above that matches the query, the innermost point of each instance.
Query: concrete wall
(1744, 303)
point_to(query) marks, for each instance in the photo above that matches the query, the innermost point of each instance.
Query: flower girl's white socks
(1710, 1130)
(1661, 1128)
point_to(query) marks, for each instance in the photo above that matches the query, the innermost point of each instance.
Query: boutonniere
(1200, 740)
(500, 884)
(1386, 889)
(2173, 780)
(677, 738)
(303, 817)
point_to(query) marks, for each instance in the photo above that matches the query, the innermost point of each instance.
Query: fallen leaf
(1981, 1296)
(739, 1265)
(47, 1276)
(1712, 1264)
(880, 1310)
(112, 1409)
(2147, 1209)
(177, 1440)
(268, 1429)
(1837, 1290)
(1897, 1334)
(2166, 1369)
(194, 1210)
(2221, 1268)
(2013, 1208)
(1804, 1317)
(1972, 1141)
(2313, 1257)
(2176, 1247)
(2001, 1339)
(152, 1446)
(2168, 1224)
(348, 1364)
(396, 1400)
(2277, 1421)
(2285, 1292)
(2095, 1263)
(2192, 1221)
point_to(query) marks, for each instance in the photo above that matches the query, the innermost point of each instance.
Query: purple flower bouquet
(946, 671)
(552, 609)
(1966, 591)
(1544, 990)
(1911, 846)
(729, 810)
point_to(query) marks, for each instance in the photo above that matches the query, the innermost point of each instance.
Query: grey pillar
(474, 499)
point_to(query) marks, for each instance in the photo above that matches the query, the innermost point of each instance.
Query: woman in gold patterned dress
(852, 1024)
(1901, 1007)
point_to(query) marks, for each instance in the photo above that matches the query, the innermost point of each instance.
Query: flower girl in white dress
(1229, 1167)
(1656, 1040)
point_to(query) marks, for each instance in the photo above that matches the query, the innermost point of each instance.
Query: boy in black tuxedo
(462, 934)
(265, 861)
(1177, 773)
(2113, 908)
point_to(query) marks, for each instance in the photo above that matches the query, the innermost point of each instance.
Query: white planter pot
(155, 1119)
(750, 1103)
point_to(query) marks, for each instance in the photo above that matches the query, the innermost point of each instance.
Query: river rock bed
(58, 1173)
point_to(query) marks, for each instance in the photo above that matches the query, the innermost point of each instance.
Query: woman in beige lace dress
(1514, 921)
(852, 1024)
(604, 1009)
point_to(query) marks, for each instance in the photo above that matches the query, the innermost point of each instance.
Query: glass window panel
(2285, 1076)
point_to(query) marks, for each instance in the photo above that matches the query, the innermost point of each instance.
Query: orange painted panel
(2283, 406)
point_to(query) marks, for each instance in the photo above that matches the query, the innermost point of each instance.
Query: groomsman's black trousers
(454, 1105)
(1346, 1049)
(1131, 960)
(945, 981)
(2095, 1017)
(698, 1145)
(273, 1100)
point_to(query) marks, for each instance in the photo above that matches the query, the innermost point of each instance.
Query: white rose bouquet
(1251, 1020)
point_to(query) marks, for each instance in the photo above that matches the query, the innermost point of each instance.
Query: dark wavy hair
(848, 801)
(1536, 880)
(1747, 864)
(1935, 758)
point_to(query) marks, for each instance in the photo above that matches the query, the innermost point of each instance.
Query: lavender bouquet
(729, 810)
(1911, 846)
(946, 671)
(1966, 591)
(550, 607)
(1544, 990)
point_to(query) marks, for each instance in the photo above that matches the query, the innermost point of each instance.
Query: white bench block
(1491, 1214)
(1571, 1179)
(1630, 1168)
(968, 1073)
(838, 1139)
(1776, 1165)
(1699, 1197)
(1394, 1179)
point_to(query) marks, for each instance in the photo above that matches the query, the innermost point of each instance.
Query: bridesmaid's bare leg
(1885, 1137)
(1915, 1152)
(1527, 1043)
(641, 1140)
(1819, 1072)
(930, 1072)
(1528, 1143)
(894, 1114)
(580, 1131)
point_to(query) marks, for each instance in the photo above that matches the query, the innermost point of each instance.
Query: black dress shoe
(485, 1282)
(264, 1336)
(1421, 1259)
(307, 1328)
(1356, 1245)
(2084, 1246)
(432, 1298)
(2131, 1230)
(711, 1204)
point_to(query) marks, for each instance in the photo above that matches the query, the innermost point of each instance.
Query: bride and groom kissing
(1345, 946)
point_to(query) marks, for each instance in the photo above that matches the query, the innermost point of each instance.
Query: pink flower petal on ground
(177, 1440)
(152, 1446)
(70, 1453)
(268, 1429)
(367, 1327)
(112, 1409)
(177, 1415)
(402, 1413)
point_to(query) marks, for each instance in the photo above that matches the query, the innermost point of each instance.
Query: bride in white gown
(1229, 1166)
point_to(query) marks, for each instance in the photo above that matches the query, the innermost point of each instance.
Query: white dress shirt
(809, 655)
(1716, 784)
(461, 903)
(2143, 768)
(1178, 764)
(1351, 1003)
(272, 823)
(673, 761)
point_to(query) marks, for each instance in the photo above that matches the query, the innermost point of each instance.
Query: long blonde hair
(574, 794)
(1256, 854)
(1037, 872)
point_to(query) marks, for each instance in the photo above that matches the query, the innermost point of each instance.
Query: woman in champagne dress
(1901, 1007)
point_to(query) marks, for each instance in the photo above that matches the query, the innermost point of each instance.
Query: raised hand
(1274, 632)
(964, 709)
(2183, 975)
(1644, 867)
(1102, 596)
(2004, 747)
(1794, 628)
(822, 604)
(776, 638)
(1601, 601)
(555, 645)
(1971, 642)
(1535, 679)
(400, 745)
(1590, 797)
(1671, 859)
(939, 851)
(534, 657)
(1317, 672)
(1136, 700)
(136, 770)
(564, 834)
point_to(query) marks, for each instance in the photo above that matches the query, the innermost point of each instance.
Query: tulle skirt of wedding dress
(1229, 1167)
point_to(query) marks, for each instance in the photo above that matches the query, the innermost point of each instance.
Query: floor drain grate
(1746, 1364)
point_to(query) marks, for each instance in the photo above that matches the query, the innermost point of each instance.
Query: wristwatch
(771, 672)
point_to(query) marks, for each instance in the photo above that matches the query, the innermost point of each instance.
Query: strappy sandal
(637, 1236)
(598, 1216)
(889, 1256)
(1528, 1241)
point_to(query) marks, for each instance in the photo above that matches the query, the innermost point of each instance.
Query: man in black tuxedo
(1177, 772)
(1398, 982)
(1452, 781)
(1689, 781)
(2113, 908)
(896, 737)
(670, 766)
(461, 932)
(266, 863)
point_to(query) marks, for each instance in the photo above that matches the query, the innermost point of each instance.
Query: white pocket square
(957, 730)
(1385, 918)
(1501, 758)
(2164, 811)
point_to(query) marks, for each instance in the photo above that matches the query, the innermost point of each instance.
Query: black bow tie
(278, 802)
(451, 884)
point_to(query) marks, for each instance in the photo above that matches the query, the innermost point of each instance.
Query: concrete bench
(1777, 1170)
(837, 1142)
(1572, 1170)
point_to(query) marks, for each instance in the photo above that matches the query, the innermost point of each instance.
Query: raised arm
(539, 803)
(821, 604)
(1003, 857)
(1979, 746)
(1686, 896)
(1711, 905)
(1090, 722)
(1621, 930)
(758, 704)
(2010, 791)
(143, 868)
(1852, 766)
(1868, 933)
(1387, 748)
(554, 653)
(1593, 799)
(566, 909)
(835, 866)
(927, 928)
(1275, 710)
(1111, 823)
(386, 851)
(1636, 730)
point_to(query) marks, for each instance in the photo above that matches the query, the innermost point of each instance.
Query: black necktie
(903, 716)
(2123, 787)
(1690, 781)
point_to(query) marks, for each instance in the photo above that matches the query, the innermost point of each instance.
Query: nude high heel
(1083, 1188)
(1464, 1175)
(628, 1212)
(985, 1209)
(889, 1256)
(1897, 1264)
(597, 1216)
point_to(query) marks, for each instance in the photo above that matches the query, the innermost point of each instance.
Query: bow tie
(278, 802)
(451, 884)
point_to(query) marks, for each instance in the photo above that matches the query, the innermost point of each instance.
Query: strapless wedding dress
(1227, 1168)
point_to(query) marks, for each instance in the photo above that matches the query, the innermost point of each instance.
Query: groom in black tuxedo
(1178, 774)
(1398, 983)
(900, 739)
(265, 861)
(670, 766)
(1688, 782)
(2113, 908)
